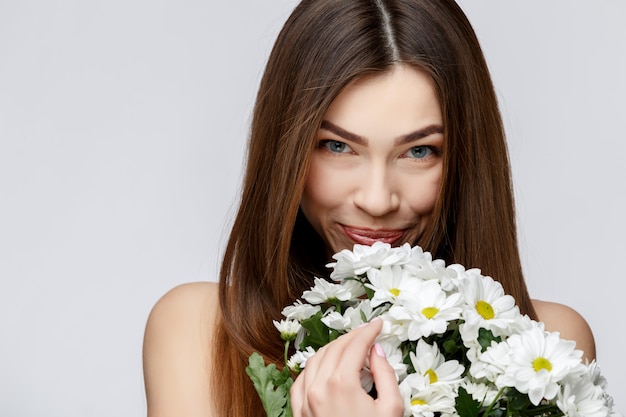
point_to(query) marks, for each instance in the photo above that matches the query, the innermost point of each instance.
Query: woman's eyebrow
(402, 140)
(419, 134)
(326, 125)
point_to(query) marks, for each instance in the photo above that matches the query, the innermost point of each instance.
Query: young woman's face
(376, 171)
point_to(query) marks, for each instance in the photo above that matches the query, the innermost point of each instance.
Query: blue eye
(335, 146)
(420, 152)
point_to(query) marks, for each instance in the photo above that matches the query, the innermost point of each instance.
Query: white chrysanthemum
(452, 277)
(483, 393)
(352, 317)
(486, 306)
(299, 311)
(422, 266)
(525, 323)
(297, 362)
(417, 255)
(580, 397)
(288, 329)
(539, 360)
(336, 320)
(422, 312)
(394, 356)
(426, 402)
(389, 282)
(431, 364)
(492, 364)
(328, 292)
(596, 376)
(359, 260)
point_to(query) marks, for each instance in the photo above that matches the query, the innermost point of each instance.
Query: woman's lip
(370, 236)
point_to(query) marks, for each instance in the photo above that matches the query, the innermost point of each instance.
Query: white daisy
(395, 357)
(299, 311)
(389, 282)
(352, 317)
(421, 265)
(452, 276)
(483, 393)
(596, 377)
(492, 364)
(288, 329)
(297, 362)
(431, 364)
(525, 323)
(328, 292)
(427, 311)
(486, 306)
(426, 402)
(580, 397)
(335, 320)
(539, 360)
(362, 258)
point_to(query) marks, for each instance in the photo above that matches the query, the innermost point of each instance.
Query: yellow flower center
(542, 363)
(395, 292)
(485, 310)
(432, 376)
(430, 312)
(417, 401)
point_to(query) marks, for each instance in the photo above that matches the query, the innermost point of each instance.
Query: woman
(375, 120)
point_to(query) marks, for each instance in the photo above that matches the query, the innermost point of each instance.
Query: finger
(313, 366)
(346, 354)
(358, 343)
(389, 396)
(306, 380)
(296, 395)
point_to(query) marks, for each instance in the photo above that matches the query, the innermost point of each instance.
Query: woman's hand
(330, 384)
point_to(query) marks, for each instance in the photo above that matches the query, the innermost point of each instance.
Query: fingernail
(379, 350)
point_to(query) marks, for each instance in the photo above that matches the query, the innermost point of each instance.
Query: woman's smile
(366, 236)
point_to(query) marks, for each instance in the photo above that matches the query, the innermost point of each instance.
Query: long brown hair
(273, 252)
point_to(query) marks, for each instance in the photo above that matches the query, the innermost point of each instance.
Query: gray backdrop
(122, 131)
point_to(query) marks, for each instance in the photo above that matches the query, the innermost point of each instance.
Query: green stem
(551, 410)
(286, 354)
(493, 403)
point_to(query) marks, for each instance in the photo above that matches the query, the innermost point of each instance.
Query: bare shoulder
(176, 351)
(569, 323)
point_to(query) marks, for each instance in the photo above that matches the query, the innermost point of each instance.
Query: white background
(122, 133)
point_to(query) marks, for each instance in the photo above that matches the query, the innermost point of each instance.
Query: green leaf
(450, 347)
(272, 386)
(283, 377)
(318, 333)
(369, 293)
(465, 405)
(285, 382)
(485, 337)
(517, 402)
(363, 316)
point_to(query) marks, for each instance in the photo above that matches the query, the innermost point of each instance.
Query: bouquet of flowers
(457, 342)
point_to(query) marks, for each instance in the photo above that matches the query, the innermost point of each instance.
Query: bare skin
(177, 352)
(177, 359)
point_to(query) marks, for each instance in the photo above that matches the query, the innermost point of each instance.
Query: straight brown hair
(273, 253)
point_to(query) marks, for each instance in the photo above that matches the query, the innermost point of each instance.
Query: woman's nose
(376, 193)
